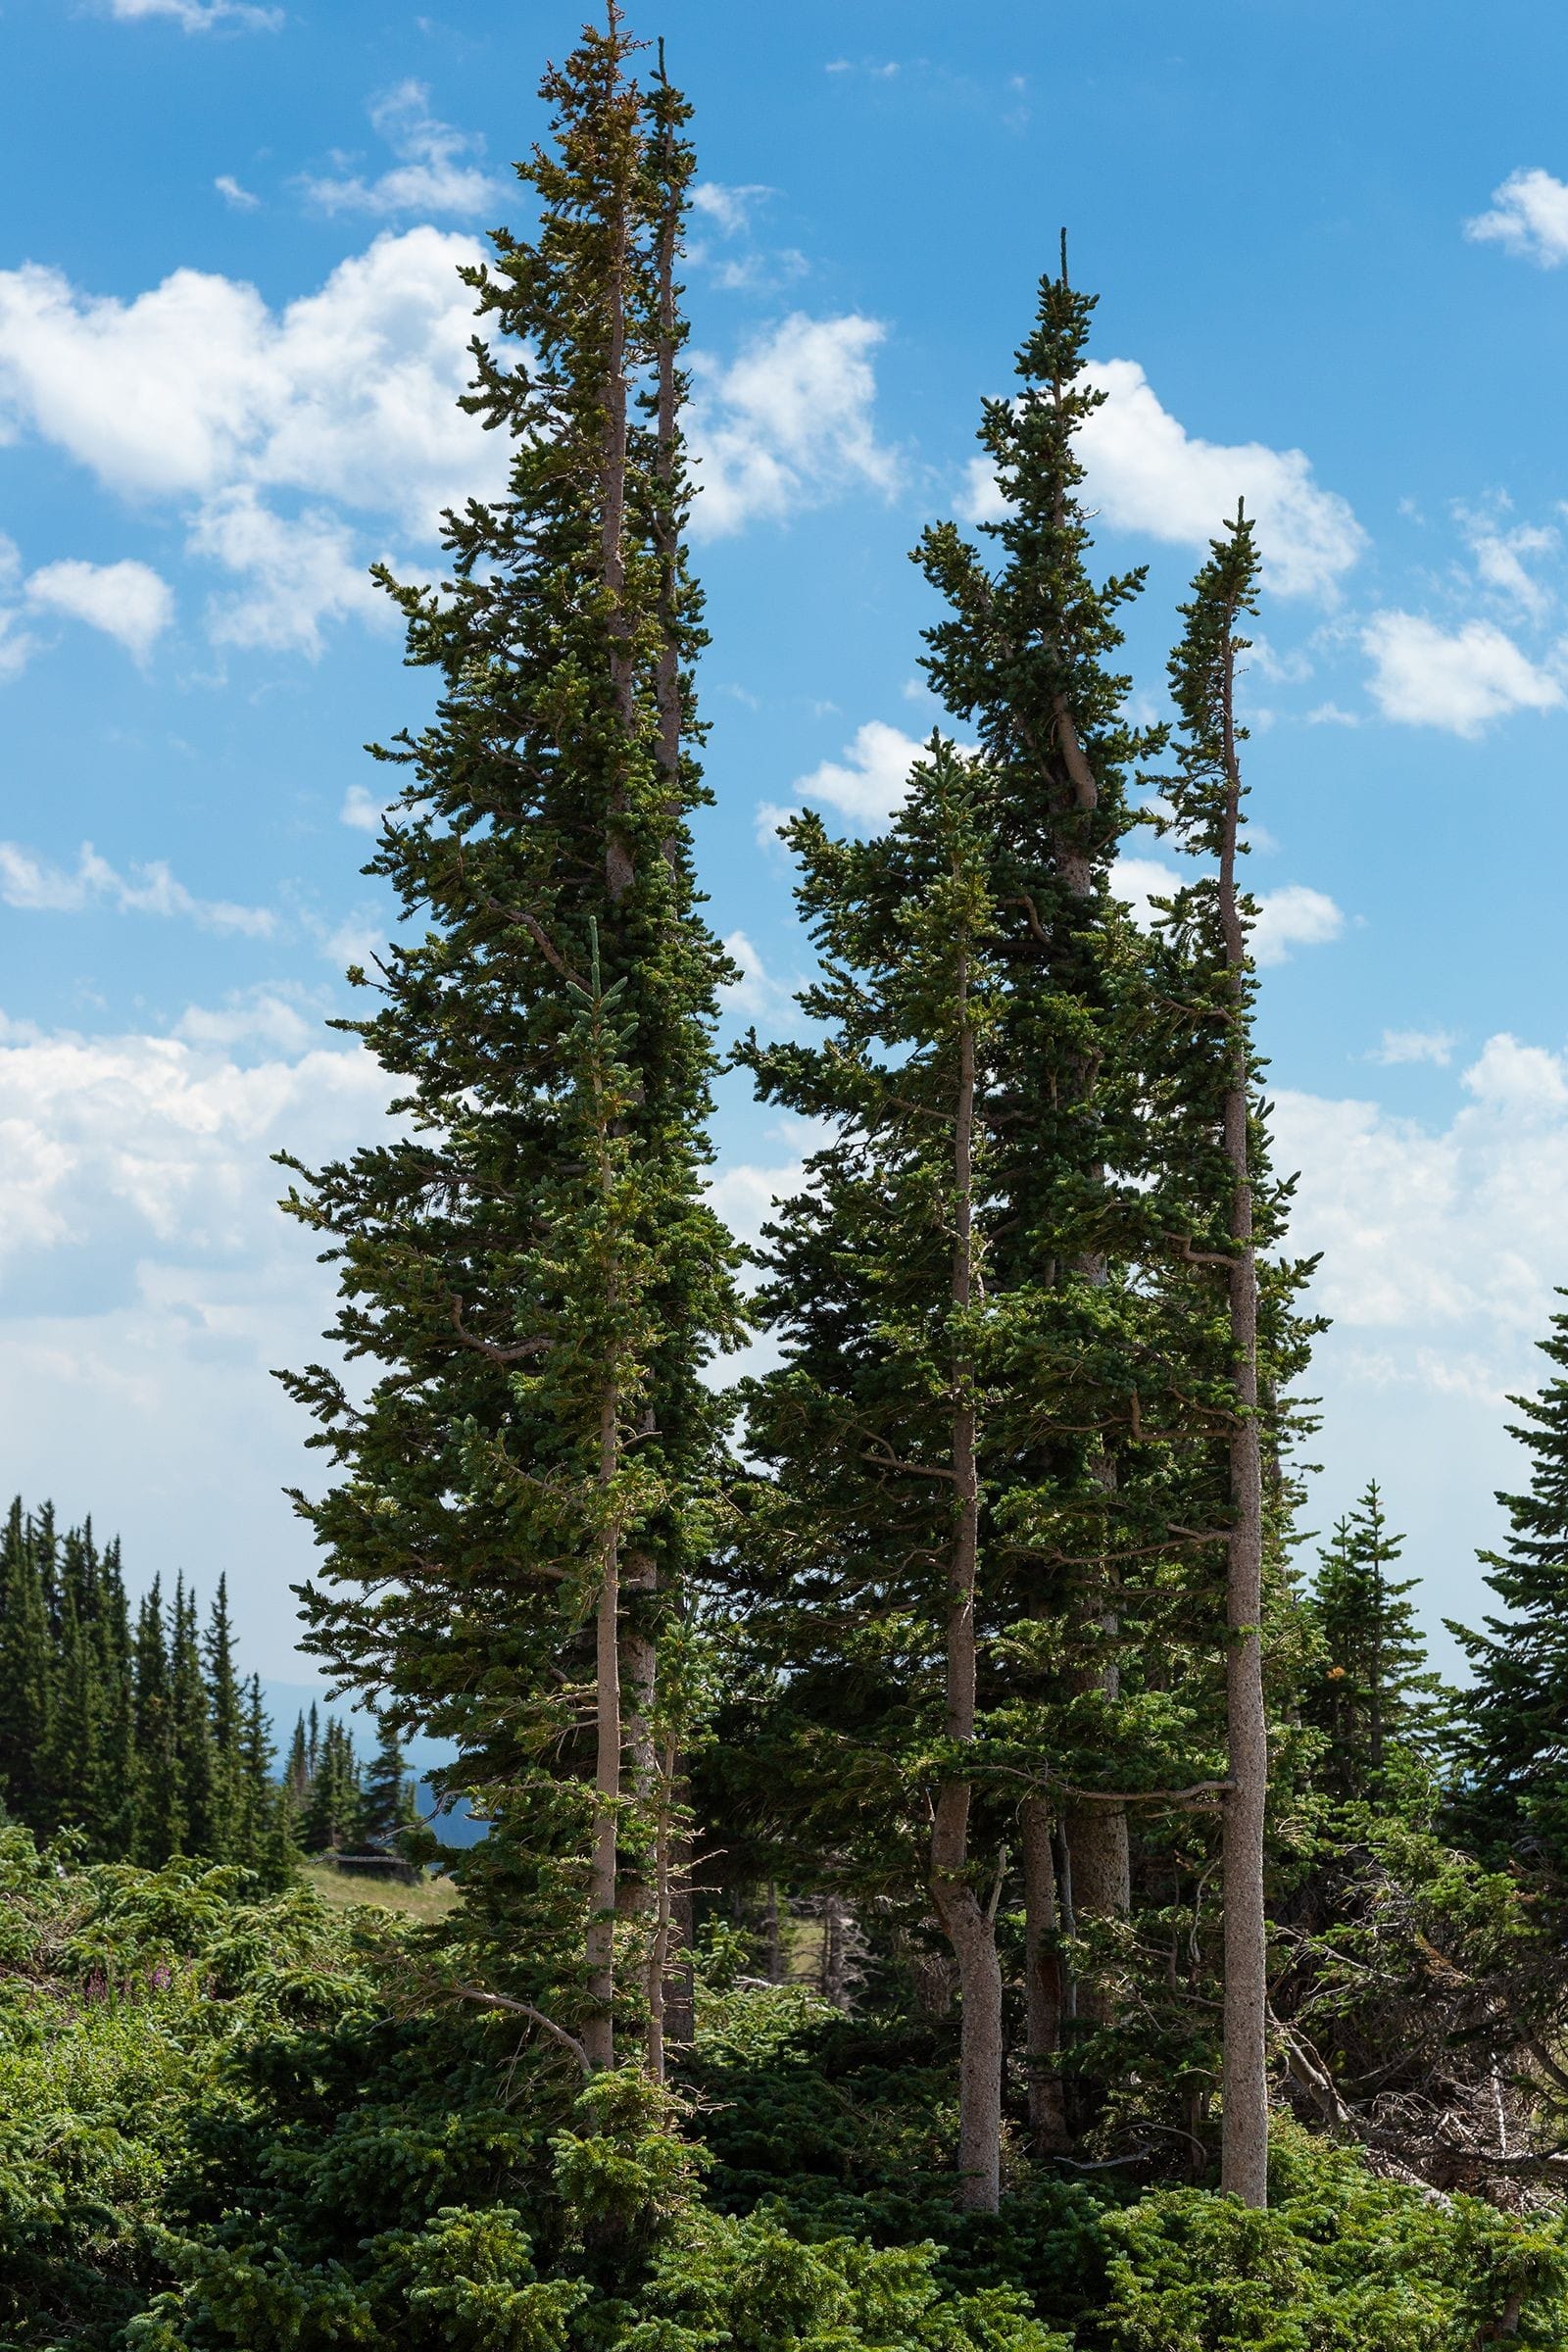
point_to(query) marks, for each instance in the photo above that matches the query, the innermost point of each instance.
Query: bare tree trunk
(599, 2027)
(964, 1919)
(1098, 1835)
(680, 1982)
(1244, 2146)
(1042, 1982)
(605, 1891)
(664, 1919)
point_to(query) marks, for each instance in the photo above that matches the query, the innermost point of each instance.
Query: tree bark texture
(1042, 1982)
(964, 1920)
(599, 2030)
(1244, 2156)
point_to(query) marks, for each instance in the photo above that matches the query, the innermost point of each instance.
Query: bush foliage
(239, 2124)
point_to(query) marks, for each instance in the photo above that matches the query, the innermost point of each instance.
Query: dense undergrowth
(272, 2125)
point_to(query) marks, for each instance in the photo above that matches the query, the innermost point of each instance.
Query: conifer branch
(537, 2017)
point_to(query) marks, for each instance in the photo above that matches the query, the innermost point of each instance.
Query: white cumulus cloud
(361, 809)
(33, 884)
(297, 573)
(1402, 1045)
(1458, 679)
(148, 1282)
(265, 425)
(1293, 916)
(129, 600)
(1528, 216)
(241, 199)
(787, 423)
(868, 783)
(431, 174)
(199, 16)
(1146, 473)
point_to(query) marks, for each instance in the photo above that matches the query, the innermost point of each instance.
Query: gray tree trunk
(1244, 2146)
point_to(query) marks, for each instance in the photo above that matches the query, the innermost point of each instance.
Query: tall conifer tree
(1026, 654)
(534, 1265)
(1214, 916)
(876, 1429)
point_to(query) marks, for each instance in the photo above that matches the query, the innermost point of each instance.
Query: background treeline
(129, 1723)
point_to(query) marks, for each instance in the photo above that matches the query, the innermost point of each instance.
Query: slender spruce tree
(531, 1263)
(225, 1712)
(1026, 654)
(1214, 916)
(1512, 1736)
(1371, 1693)
(27, 1670)
(875, 1429)
(389, 1807)
(160, 1827)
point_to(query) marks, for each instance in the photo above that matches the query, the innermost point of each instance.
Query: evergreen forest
(966, 1867)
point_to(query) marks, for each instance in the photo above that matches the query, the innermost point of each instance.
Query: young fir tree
(532, 1263)
(160, 1825)
(297, 1769)
(1371, 1694)
(389, 1807)
(333, 1816)
(1512, 1736)
(875, 1428)
(27, 1670)
(225, 1711)
(258, 1799)
(1214, 917)
(195, 1758)
(115, 1799)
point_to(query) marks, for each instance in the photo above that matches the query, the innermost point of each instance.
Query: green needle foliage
(1513, 1742)
(528, 1261)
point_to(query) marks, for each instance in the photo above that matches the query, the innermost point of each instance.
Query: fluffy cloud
(1458, 679)
(197, 391)
(128, 601)
(148, 1283)
(240, 199)
(361, 809)
(788, 424)
(430, 177)
(1528, 216)
(757, 996)
(349, 393)
(1426, 1231)
(1402, 1045)
(1145, 473)
(297, 574)
(31, 884)
(1502, 558)
(727, 209)
(200, 16)
(260, 422)
(869, 784)
(1293, 916)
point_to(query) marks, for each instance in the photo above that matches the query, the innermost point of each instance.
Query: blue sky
(1330, 243)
